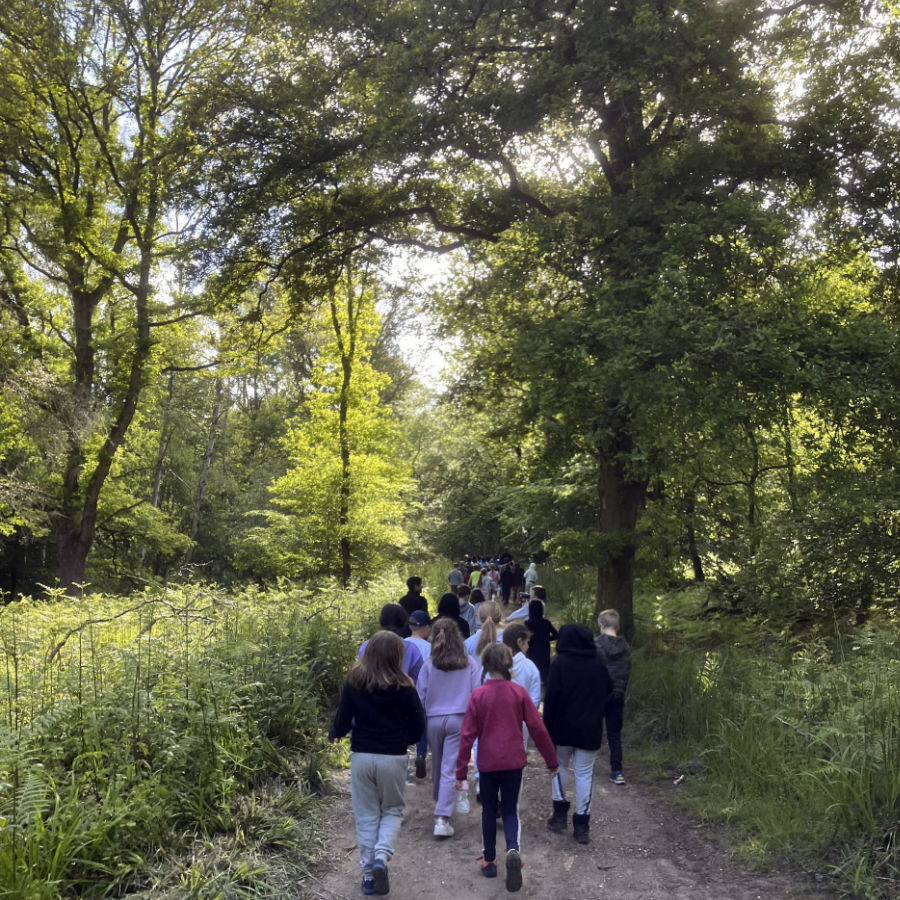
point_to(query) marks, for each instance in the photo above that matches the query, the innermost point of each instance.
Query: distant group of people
(500, 576)
(472, 681)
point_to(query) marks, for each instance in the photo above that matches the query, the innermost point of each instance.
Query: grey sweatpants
(583, 768)
(377, 783)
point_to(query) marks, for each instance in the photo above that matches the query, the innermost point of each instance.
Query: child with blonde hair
(489, 614)
(613, 649)
(445, 684)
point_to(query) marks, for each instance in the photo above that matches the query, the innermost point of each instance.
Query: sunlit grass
(798, 756)
(127, 725)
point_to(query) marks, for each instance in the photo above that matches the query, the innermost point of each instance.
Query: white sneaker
(442, 827)
(462, 802)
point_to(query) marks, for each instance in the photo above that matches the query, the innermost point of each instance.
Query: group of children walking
(481, 696)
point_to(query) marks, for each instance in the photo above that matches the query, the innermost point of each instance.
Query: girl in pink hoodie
(495, 715)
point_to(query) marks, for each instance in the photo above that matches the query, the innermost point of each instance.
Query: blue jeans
(506, 784)
(377, 782)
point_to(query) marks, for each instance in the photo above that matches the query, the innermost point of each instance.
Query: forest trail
(641, 848)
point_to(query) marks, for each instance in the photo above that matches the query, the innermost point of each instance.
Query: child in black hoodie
(616, 655)
(542, 633)
(577, 688)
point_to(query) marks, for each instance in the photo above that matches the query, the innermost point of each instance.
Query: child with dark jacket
(542, 633)
(448, 608)
(615, 653)
(577, 690)
(380, 708)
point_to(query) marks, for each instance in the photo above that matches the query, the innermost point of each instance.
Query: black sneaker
(513, 870)
(420, 767)
(380, 877)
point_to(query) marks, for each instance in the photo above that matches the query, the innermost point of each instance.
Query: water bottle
(462, 799)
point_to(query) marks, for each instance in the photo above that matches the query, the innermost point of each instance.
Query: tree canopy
(672, 297)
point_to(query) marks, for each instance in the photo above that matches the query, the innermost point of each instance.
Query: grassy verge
(169, 745)
(795, 745)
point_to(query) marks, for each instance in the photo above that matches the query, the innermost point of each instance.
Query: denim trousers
(377, 782)
(583, 769)
(443, 737)
(506, 784)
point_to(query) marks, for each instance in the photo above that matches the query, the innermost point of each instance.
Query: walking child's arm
(343, 718)
(417, 661)
(467, 738)
(474, 675)
(539, 735)
(422, 682)
(416, 718)
(551, 698)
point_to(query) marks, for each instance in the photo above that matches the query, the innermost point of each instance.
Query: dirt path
(641, 849)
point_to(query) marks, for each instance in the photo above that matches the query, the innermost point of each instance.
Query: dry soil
(641, 848)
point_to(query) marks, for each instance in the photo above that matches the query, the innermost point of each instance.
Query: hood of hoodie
(448, 606)
(613, 646)
(576, 639)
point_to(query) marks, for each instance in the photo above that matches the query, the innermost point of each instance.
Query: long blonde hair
(381, 665)
(490, 613)
(448, 652)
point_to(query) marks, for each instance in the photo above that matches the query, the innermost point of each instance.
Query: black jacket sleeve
(416, 717)
(343, 718)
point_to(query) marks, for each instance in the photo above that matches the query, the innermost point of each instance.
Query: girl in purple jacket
(446, 682)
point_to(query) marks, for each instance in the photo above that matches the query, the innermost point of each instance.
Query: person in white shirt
(531, 577)
(536, 593)
(516, 636)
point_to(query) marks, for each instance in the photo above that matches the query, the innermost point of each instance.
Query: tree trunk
(690, 505)
(752, 496)
(787, 428)
(619, 503)
(165, 435)
(77, 526)
(344, 512)
(347, 345)
(205, 466)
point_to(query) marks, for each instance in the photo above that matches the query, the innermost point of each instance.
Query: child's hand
(553, 772)
(457, 785)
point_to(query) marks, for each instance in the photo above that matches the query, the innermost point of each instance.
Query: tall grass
(801, 755)
(129, 724)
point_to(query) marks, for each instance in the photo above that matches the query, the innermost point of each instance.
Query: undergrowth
(795, 744)
(168, 743)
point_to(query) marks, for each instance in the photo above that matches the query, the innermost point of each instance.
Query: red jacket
(494, 715)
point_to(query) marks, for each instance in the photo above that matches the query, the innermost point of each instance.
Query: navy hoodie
(577, 689)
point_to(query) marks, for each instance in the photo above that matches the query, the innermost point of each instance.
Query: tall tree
(99, 104)
(642, 149)
(342, 505)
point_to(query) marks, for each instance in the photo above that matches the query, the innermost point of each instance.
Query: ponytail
(489, 612)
